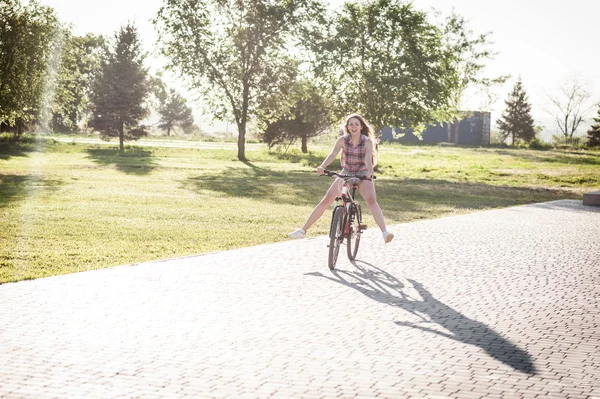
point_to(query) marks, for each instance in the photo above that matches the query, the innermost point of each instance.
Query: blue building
(473, 129)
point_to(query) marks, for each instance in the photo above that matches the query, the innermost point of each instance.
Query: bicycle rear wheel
(336, 235)
(354, 231)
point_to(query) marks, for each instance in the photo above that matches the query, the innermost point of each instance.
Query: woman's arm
(369, 156)
(334, 151)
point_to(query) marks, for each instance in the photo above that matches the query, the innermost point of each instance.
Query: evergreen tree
(594, 133)
(174, 111)
(516, 120)
(119, 94)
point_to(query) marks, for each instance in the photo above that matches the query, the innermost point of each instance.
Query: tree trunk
(456, 131)
(169, 131)
(20, 125)
(304, 144)
(242, 122)
(242, 142)
(121, 138)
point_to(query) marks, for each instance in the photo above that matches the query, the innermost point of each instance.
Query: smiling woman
(358, 159)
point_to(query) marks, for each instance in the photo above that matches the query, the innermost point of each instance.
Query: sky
(545, 42)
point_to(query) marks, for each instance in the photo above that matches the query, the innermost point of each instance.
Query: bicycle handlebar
(330, 174)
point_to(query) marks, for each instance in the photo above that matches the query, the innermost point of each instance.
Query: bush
(536, 144)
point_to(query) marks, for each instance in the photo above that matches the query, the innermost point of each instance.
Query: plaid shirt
(353, 158)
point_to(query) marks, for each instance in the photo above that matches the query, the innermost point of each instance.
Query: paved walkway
(501, 303)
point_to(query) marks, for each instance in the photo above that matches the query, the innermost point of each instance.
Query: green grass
(67, 207)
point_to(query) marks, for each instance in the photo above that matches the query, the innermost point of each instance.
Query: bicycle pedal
(362, 226)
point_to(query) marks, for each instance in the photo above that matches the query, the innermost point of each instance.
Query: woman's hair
(366, 130)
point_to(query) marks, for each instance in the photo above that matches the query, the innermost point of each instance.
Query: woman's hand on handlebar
(320, 170)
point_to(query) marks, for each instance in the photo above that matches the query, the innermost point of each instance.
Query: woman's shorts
(357, 174)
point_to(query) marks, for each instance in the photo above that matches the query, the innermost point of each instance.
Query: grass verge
(68, 207)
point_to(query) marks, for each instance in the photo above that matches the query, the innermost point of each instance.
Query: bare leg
(367, 190)
(323, 205)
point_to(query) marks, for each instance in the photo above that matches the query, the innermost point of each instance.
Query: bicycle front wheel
(354, 232)
(336, 235)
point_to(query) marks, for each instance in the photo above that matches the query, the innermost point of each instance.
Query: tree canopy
(385, 60)
(80, 64)
(28, 35)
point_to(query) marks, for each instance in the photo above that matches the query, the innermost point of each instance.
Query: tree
(571, 106)
(232, 52)
(394, 69)
(80, 64)
(516, 120)
(28, 36)
(174, 111)
(594, 133)
(469, 52)
(120, 91)
(309, 115)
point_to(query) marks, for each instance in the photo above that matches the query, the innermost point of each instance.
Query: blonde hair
(365, 130)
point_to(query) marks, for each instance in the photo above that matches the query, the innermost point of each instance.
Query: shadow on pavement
(383, 287)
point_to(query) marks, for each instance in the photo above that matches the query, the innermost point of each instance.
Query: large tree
(173, 111)
(594, 133)
(384, 59)
(29, 35)
(516, 120)
(119, 93)
(232, 51)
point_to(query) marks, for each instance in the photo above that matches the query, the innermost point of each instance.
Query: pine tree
(516, 120)
(174, 112)
(119, 94)
(594, 133)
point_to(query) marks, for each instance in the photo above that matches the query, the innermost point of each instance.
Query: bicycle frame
(346, 197)
(343, 225)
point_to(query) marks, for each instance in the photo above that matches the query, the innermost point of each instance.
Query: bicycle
(346, 221)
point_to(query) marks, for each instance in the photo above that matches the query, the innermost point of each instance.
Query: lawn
(69, 207)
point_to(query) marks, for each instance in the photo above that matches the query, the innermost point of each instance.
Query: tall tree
(232, 51)
(121, 89)
(384, 59)
(28, 36)
(309, 114)
(516, 120)
(174, 111)
(594, 133)
(571, 106)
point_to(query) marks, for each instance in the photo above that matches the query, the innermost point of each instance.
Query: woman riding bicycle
(358, 158)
